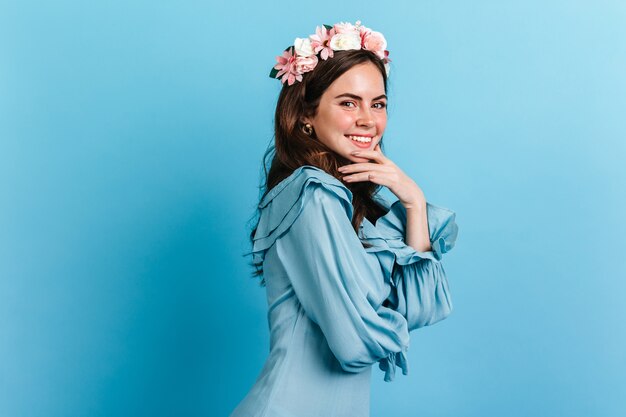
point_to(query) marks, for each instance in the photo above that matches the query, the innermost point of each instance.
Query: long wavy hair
(293, 148)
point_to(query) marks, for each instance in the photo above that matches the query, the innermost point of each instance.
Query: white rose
(345, 41)
(303, 47)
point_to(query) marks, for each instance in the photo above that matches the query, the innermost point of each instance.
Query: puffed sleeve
(340, 286)
(420, 290)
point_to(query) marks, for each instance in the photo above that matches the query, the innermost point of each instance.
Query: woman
(347, 275)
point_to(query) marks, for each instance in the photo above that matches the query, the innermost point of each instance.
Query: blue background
(131, 137)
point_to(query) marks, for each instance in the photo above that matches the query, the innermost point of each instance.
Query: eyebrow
(354, 96)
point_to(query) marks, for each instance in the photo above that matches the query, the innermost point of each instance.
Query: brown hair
(293, 148)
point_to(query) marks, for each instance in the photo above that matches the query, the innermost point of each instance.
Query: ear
(305, 120)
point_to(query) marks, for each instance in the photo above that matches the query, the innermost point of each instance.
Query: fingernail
(355, 153)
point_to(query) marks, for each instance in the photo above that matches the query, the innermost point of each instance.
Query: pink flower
(386, 61)
(287, 67)
(320, 41)
(363, 31)
(303, 56)
(375, 42)
(344, 27)
(305, 63)
(386, 58)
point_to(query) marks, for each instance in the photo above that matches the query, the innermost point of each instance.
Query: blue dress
(336, 308)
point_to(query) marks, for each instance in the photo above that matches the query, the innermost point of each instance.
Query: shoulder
(305, 179)
(307, 188)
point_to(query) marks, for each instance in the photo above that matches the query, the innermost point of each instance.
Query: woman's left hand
(384, 172)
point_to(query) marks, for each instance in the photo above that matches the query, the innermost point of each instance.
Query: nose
(365, 117)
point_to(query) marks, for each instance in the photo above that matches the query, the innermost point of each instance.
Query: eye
(380, 105)
(344, 103)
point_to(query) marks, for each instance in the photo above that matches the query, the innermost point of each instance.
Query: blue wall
(131, 137)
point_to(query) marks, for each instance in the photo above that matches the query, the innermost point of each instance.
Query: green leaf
(273, 72)
(329, 27)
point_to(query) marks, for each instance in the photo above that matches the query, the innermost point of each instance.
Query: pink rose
(305, 63)
(364, 31)
(344, 27)
(375, 42)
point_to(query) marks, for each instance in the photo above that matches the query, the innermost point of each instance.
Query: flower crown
(304, 54)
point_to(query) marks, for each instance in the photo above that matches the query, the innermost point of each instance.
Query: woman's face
(352, 114)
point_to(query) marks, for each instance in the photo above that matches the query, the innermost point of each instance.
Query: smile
(361, 139)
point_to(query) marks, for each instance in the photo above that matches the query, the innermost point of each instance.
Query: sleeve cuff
(442, 230)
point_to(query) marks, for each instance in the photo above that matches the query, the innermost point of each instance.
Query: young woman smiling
(347, 274)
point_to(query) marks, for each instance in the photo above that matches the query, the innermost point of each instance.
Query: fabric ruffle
(442, 226)
(388, 365)
(388, 234)
(282, 205)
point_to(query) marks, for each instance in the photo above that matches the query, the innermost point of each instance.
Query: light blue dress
(335, 307)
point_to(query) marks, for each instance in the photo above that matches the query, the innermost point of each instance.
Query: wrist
(415, 206)
(416, 200)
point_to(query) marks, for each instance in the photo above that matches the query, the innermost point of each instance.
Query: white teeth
(360, 138)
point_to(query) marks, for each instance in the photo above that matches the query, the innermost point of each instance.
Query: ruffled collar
(282, 204)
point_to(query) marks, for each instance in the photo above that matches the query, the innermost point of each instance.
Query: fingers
(374, 155)
(365, 166)
(381, 178)
(361, 176)
(363, 172)
(376, 171)
(378, 149)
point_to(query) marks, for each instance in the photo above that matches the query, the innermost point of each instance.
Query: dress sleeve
(420, 290)
(340, 286)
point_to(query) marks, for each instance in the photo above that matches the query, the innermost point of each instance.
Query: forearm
(417, 235)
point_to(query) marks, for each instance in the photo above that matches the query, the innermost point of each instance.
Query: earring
(307, 129)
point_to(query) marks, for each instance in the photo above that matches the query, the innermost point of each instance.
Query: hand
(384, 172)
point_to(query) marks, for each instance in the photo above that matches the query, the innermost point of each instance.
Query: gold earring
(307, 129)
